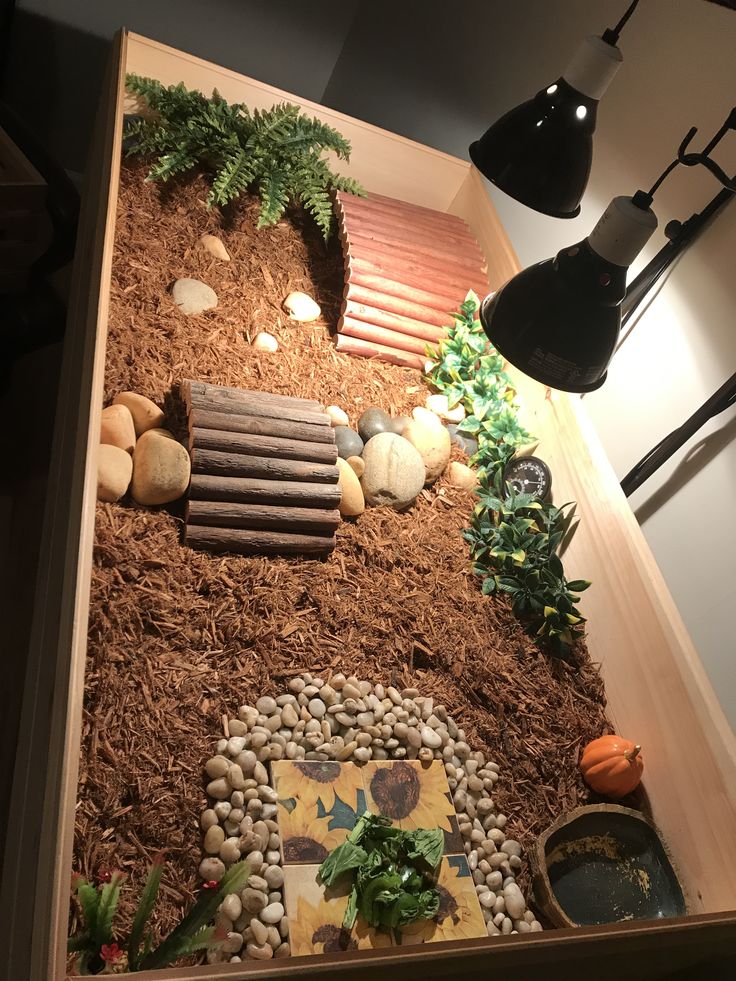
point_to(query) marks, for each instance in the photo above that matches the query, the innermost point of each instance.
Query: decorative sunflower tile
(316, 914)
(460, 916)
(413, 795)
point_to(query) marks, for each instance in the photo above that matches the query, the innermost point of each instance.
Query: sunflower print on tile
(412, 795)
(306, 837)
(459, 916)
(318, 929)
(311, 781)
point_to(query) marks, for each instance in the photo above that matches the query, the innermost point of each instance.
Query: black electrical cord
(611, 35)
(721, 400)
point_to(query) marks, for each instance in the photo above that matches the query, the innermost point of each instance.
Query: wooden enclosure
(656, 685)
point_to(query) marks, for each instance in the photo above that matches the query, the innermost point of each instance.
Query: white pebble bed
(342, 719)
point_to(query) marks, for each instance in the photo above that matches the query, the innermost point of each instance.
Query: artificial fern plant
(277, 151)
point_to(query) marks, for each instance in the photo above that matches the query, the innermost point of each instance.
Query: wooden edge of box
(34, 901)
(35, 925)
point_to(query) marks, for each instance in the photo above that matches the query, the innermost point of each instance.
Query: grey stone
(348, 442)
(192, 296)
(372, 422)
(466, 442)
(394, 471)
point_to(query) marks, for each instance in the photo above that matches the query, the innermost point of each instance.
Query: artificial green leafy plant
(277, 151)
(99, 952)
(514, 538)
(393, 872)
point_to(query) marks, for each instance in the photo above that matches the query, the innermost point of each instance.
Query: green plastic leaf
(145, 908)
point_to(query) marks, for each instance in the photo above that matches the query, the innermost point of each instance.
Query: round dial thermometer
(529, 475)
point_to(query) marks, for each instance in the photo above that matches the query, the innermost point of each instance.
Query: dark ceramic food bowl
(605, 864)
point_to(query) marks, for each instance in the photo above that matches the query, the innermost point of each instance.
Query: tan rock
(263, 341)
(114, 470)
(352, 501)
(438, 404)
(338, 416)
(394, 471)
(301, 306)
(161, 469)
(429, 418)
(117, 428)
(459, 475)
(433, 443)
(358, 465)
(146, 414)
(215, 246)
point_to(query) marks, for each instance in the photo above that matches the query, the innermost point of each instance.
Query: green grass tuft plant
(99, 952)
(514, 539)
(277, 151)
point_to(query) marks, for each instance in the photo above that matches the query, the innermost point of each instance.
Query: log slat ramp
(407, 269)
(264, 474)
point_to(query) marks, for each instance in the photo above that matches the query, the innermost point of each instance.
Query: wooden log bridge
(264, 474)
(407, 270)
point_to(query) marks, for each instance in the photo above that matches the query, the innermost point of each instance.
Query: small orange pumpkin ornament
(612, 766)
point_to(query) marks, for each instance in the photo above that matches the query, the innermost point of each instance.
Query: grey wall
(59, 49)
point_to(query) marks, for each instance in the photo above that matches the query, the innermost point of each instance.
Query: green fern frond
(233, 178)
(279, 151)
(274, 199)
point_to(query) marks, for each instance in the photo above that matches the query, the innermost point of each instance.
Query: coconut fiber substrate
(177, 637)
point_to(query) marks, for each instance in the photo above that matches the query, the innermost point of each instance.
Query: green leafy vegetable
(393, 872)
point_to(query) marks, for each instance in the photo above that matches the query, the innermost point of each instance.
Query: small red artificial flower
(110, 953)
(212, 884)
(105, 875)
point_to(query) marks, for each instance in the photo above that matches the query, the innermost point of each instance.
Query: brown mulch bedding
(177, 638)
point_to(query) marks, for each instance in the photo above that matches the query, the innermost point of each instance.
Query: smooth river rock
(466, 442)
(192, 296)
(301, 307)
(215, 246)
(352, 501)
(372, 422)
(338, 416)
(358, 465)
(146, 414)
(114, 470)
(348, 442)
(433, 444)
(161, 469)
(263, 341)
(394, 471)
(116, 427)
(397, 425)
(461, 476)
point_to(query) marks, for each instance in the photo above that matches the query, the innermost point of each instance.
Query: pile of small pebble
(342, 719)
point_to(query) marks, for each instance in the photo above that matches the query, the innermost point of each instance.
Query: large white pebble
(220, 789)
(263, 341)
(272, 913)
(266, 705)
(431, 738)
(301, 307)
(217, 766)
(260, 931)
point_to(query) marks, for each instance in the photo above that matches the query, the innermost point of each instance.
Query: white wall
(443, 72)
